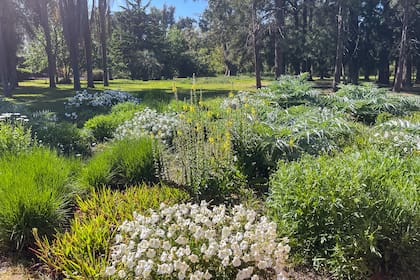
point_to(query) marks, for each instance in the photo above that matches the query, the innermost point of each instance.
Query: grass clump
(122, 163)
(83, 251)
(35, 192)
(103, 127)
(353, 214)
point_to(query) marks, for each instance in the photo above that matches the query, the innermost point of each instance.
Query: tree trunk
(8, 47)
(383, 75)
(339, 50)
(70, 17)
(43, 16)
(353, 61)
(74, 58)
(87, 38)
(257, 59)
(102, 5)
(401, 67)
(278, 53)
(407, 79)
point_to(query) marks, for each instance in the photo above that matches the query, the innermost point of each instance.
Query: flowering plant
(191, 241)
(106, 98)
(148, 121)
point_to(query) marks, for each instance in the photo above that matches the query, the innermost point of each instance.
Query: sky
(184, 8)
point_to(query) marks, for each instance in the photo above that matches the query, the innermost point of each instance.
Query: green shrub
(14, 137)
(103, 127)
(353, 214)
(34, 193)
(122, 163)
(83, 251)
(259, 141)
(66, 138)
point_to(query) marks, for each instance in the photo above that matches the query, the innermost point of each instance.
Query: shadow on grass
(36, 98)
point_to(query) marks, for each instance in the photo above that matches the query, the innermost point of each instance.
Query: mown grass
(35, 95)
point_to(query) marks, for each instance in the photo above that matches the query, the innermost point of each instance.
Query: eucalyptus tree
(70, 18)
(40, 11)
(104, 10)
(339, 49)
(402, 65)
(279, 15)
(87, 40)
(8, 46)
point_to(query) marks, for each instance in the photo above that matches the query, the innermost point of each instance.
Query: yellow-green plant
(82, 252)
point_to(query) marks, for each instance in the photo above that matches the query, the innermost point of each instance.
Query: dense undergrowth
(336, 173)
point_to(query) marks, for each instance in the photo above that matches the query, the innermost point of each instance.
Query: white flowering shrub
(13, 117)
(191, 241)
(147, 122)
(84, 102)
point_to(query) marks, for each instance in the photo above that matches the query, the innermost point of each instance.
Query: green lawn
(35, 95)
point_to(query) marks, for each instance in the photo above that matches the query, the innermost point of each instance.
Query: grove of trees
(342, 39)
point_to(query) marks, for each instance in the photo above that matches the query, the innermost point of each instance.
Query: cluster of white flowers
(191, 241)
(105, 98)
(13, 117)
(402, 134)
(149, 122)
(239, 100)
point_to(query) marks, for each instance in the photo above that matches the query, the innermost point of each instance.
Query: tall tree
(255, 43)
(87, 39)
(279, 7)
(403, 51)
(70, 17)
(103, 10)
(8, 46)
(339, 49)
(40, 11)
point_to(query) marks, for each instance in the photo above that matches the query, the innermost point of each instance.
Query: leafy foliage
(353, 214)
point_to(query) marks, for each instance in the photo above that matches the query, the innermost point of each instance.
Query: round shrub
(354, 214)
(14, 137)
(190, 241)
(66, 138)
(34, 193)
(122, 163)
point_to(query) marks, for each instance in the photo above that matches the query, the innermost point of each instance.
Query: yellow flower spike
(181, 116)
(209, 114)
(194, 87)
(211, 140)
(228, 110)
(185, 107)
(200, 103)
(229, 123)
(246, 105)
(231, 95)
(197, 127)
(179, 132)
(253, 112)
(291, 142)
(189, 120)
(192, 109)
